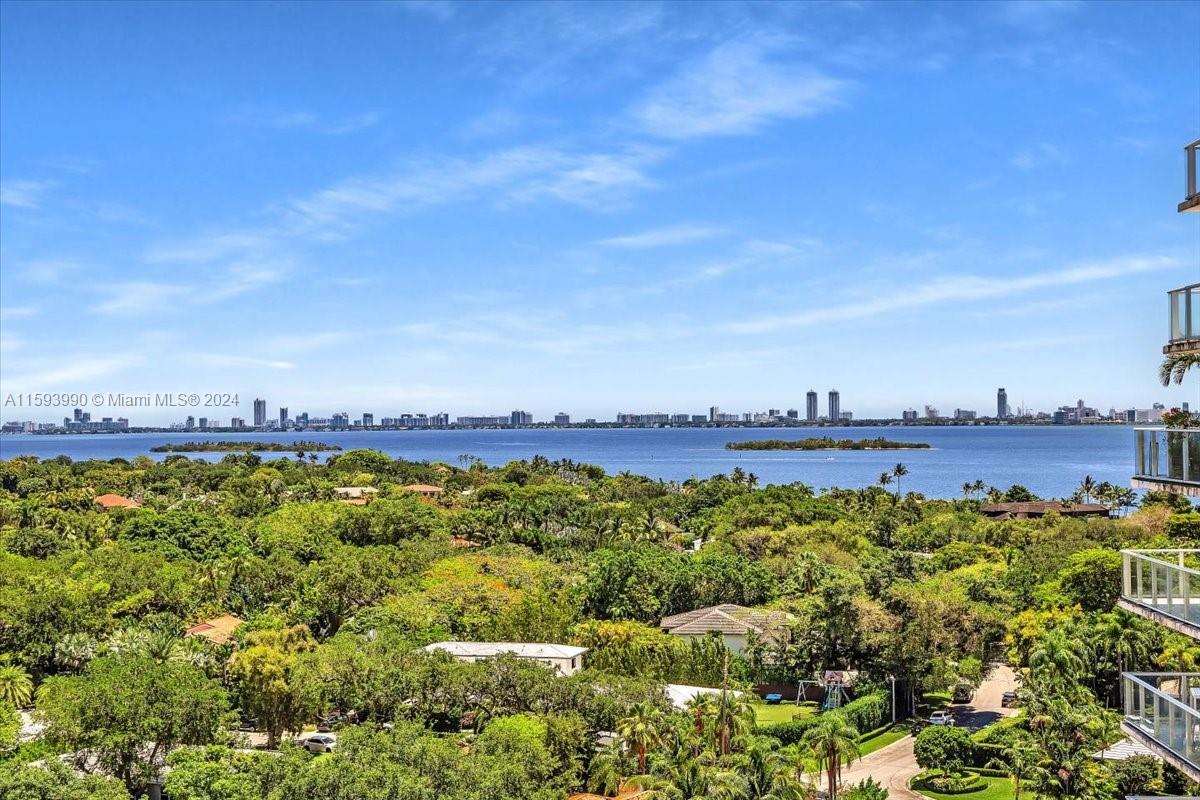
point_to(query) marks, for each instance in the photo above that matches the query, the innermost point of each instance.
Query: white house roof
(518, 649)
(1123, 749)
(679, 694)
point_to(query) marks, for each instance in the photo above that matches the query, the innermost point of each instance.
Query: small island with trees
(825, 443)
(241, 447)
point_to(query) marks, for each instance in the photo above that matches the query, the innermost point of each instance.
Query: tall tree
(833, 741)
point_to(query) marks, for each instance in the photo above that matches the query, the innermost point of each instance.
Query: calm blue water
(1051, 461)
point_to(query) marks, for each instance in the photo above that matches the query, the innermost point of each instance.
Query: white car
(941, 718)
(320, 743)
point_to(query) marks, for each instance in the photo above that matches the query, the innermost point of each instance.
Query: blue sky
(477, 207)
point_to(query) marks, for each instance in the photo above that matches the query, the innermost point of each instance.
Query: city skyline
(559, 230)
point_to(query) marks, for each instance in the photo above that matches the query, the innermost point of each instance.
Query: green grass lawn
(784, 712)
(996, 789)
(883, 740)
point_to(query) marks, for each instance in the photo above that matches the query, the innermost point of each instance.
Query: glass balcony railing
(1191, 198)
(1161, 708)
(1159, 582)
(1167, 456)
(1185, 315)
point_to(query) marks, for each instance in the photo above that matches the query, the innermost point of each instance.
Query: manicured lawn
(883, 740)
(997, 789)
(784, 712)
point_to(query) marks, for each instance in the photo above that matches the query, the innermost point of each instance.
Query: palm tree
(766, 774)
(1087, 488)
(607, 771)
(832, 741)
(885, 478)
(703, 708)
(1020, 760)
(899, 471)
(685, 778)
(735, 717)
(1175, 366)
(16, 687)
(1059, 659)
(641, 730)
(1127, 638)
(967, 488)
(74, 651)
(1179, 654)
(978, 486)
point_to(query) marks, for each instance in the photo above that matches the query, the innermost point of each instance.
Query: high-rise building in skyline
(835, 405)
(368, 419)
(562, 418)
(793, 414)
(811, 406)
(521, 418)
(283, 416)
(260, 412)
(1001, 403)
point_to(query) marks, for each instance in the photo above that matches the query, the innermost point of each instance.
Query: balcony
(1167, 460)
(1185, 320)
(1160, 712)
(1191, 201)
(1158, 585)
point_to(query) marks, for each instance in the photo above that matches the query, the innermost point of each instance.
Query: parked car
(336, 719)
(320, 743)
(963, 693)
(1008, 699)
(941, 718)
(247, 723)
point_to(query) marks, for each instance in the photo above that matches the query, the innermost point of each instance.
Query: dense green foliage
(240, 447)
(339, 599)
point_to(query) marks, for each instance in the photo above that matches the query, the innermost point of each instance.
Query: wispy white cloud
(1038, 16)
(70, 371)
(736, 88)
(305, 120)
(242, 277)
(229, 360)
(1040, 155)
(663, 237)
(139, 297)
(23, 194)
(17, 312)
(952, 289)
(206, 248)
(440, 10)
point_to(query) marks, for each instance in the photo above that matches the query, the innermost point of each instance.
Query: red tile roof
(116, 501)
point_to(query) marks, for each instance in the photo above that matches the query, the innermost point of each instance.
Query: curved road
(895, 765)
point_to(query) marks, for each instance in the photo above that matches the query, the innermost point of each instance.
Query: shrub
(1184, 526)
(944, 748)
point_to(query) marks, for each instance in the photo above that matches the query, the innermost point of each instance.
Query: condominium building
(562, 418)
(283, 416)
(1162, 709)
(521, 418)
(260, 412)
(1001, 403)
(835, 405)
(810, 409)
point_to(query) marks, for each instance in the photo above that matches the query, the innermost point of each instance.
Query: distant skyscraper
(520, 418)
(1001, 403)
(835, 405)
(562, 418)
(283, 416)
(260, 412)
(793, 413)
(811, 409)
(204, 423)
(713, 413)
(368, 419)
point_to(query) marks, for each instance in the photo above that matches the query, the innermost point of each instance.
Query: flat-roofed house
(736, 624)
(566, 659)
(428, 491)
(1040, 508)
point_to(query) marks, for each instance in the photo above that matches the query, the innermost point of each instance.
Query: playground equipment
(835, 690)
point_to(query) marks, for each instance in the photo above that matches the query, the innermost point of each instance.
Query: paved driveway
(895, 765)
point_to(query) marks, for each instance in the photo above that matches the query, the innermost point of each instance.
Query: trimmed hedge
(989, 773)
(972, 783)
(867, 713)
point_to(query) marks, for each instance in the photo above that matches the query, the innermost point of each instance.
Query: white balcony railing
(1184, 306)
(1157, 584)
(1160, 709)
(1164, 455)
